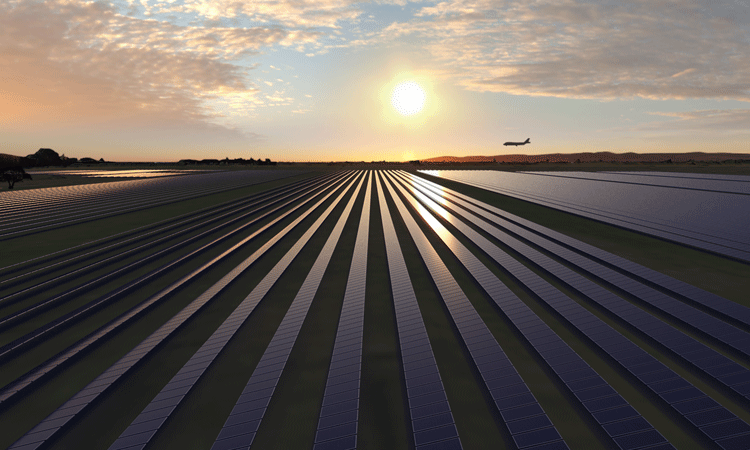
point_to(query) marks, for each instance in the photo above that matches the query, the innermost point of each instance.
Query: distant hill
(594, 157)
(12, 161)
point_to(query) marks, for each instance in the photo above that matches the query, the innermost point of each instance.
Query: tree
(13, 175)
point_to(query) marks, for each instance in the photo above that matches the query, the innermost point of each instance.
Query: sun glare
(408, 98)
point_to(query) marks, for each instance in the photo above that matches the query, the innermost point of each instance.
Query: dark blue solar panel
(336, 432)
(705, 358)
(529, 424)
(506, 387)
(682, 395)
(658, 376)
(597, 204)
(432, 421)
(281, 344)
(338, 419)
(425, 389)
(429, 410)
(536, 437)
(343, 443)
(727, 429)
(202, 358)
(710, 416)
(521, 412)
(449, 444)
(435, 434)
(640, 439)
(733, 443)
(412, 336)
(596, 392)
(627, 426)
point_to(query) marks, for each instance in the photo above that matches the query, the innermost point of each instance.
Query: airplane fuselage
(527, 141)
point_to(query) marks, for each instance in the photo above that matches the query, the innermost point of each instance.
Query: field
(314, 307)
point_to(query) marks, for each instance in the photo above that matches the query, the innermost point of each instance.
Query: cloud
(708, 120)
(656, 49)
(73, 61)
(290, 13)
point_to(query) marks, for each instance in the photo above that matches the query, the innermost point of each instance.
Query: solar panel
(89, 393)
(585, 321)
(414, 335)
(486, 353)
(281, 344)
(655, 218)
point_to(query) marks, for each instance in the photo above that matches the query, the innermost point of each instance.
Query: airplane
(527, 141)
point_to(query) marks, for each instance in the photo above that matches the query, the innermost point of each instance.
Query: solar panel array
(37, 210)
(699, 217)
(693, 372)
(337, 426)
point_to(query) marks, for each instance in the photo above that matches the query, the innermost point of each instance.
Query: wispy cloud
(656, 49)
(709, 120)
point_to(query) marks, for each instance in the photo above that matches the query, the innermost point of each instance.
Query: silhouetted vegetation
(226, 161)
(13, 175)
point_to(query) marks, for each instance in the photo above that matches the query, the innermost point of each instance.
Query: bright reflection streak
(441, 231)
(140, 173)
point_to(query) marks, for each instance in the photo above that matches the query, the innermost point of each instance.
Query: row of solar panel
(704, 358)
(566, 364)
(112, 248)
(726, 309)
(108, 200)
(22, 343)
(701, 176)
(733, 375)
(500, 377)
(48, 276)
(626, 353)
(135, 312)
(722, 234)
(685, 212)
(431, 418)
(339, 431)
(655, 217)
(703, 184)
(237, 431)
(72, 407)
(34, 203)
(432, 421)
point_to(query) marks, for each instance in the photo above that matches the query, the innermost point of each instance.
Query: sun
(408, 98)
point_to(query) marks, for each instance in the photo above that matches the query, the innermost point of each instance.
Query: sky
(312, 80)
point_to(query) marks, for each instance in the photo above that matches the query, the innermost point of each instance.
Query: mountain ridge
(595, 157)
